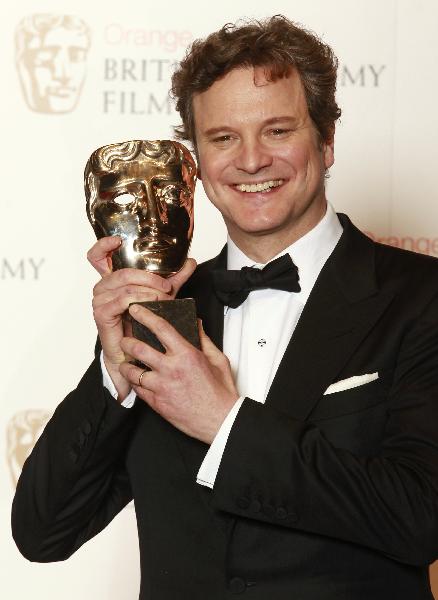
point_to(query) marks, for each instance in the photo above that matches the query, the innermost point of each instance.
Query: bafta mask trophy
(143, 192)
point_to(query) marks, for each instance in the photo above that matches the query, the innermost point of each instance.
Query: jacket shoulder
(389, 260)
(421, 268)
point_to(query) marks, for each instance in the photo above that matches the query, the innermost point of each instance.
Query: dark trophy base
(181, 314)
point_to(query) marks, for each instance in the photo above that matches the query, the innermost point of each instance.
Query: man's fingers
(134, 277)
(111, 311)
(181, 277)
(99, 255)
(142, 352)
(207, 346)
(168, 335)
(132, 293)
(133, 374)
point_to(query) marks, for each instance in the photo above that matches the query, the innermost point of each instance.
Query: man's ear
(329, 154)
(328, 150)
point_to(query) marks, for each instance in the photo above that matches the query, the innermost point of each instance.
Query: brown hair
(275, 43)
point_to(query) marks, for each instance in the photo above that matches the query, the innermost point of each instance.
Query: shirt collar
(309, 252)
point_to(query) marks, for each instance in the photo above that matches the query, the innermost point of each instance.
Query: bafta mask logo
(143, 191)
(50, 54)
(23, 430)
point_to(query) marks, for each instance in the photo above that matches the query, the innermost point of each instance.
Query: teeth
(259, 187)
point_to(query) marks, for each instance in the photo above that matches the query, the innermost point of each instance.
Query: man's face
(55, 70)
(151, 208)
(261, 161)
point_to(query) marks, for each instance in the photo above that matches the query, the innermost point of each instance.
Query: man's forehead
(250, 90)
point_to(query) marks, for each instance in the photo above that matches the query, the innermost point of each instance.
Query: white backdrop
(116, 89)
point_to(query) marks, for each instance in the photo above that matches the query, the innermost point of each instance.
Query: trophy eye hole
(124, 199)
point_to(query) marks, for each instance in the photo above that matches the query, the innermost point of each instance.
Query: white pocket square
(351, 382)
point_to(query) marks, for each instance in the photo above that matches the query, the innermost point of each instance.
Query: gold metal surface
(143, 191)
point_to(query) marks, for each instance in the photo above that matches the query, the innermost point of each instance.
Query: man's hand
(192, 389)
(112, 296)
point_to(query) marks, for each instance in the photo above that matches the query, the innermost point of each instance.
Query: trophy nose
(153, 234)
(152, 227)
(147, 207)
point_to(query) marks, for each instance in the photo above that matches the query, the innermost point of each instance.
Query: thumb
(211, 351)
(217, 359)
(182, 276)
(100, 254)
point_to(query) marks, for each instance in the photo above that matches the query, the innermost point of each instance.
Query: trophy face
(143, 191)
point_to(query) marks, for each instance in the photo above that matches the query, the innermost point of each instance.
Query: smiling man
(261, 159)
(296, 455)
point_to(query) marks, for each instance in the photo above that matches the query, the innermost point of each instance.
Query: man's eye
(222, 139)
(277, 132)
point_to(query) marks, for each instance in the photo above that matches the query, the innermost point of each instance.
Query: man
(313, 439)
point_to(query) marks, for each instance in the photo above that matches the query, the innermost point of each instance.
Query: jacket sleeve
(286, 472)
(74, 482)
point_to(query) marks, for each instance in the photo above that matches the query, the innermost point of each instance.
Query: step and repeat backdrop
(78, 75)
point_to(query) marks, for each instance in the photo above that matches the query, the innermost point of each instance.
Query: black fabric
(318, 496)
(232, 287)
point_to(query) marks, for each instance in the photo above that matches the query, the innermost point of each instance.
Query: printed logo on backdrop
(50, 55)
(364, 76)
(422, 245)
(136, 75)
(22, 268)
(22, 432)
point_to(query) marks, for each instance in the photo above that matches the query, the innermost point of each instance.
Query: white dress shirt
(128, 402)
(257, 332)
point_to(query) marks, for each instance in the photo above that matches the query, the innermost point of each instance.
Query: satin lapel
(209, 309)
(343, 306)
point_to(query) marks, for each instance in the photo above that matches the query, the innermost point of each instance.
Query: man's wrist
(117, 385)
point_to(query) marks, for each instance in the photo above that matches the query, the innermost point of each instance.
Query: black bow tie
(232, 287)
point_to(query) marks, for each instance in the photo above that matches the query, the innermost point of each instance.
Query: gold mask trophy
(143, 192)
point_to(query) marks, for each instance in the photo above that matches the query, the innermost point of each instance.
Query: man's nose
(252, 156)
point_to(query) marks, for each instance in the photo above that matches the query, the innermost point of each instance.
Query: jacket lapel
(343, 306)
(209, 309)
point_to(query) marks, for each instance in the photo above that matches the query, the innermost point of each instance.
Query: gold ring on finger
(140, 377)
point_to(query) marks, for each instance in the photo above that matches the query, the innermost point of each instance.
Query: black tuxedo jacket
(318, 497)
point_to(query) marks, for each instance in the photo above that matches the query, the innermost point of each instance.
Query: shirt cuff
(211, 463)
(128, 402)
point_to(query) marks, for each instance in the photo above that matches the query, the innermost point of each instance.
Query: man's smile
(265, 186)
